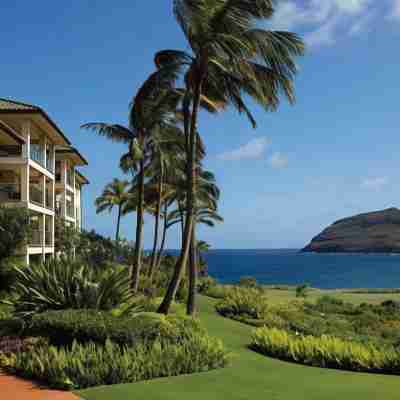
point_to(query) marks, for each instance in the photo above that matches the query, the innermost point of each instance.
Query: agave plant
(68, 284)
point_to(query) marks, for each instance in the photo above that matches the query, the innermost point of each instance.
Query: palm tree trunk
(191, 303)
(118, 223)
(191, 192)
(136, 268)
(157, 223)
(164, 237)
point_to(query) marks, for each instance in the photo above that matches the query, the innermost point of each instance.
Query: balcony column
(45, 152)
(43, 237)
(25, 177)
(74, 198)
(44, 190)
(26, 133)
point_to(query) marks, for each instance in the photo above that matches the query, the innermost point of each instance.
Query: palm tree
(151, 107)
(230, 57)
(114, 195)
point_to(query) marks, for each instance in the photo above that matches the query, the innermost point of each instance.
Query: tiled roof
(11, 105)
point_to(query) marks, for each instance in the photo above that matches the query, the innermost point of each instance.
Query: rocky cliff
(374, 232)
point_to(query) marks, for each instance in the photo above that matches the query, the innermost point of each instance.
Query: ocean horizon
(292, 267)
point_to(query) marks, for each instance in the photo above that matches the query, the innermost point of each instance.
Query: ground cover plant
(326, 351)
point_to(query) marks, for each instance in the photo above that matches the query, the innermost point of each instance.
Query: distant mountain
(374, 232)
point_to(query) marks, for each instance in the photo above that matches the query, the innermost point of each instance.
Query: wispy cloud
(395, 13)
(324, 22)
(278, 160)
(253, 150)
(375, 183)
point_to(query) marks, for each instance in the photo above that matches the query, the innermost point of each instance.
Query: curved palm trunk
(191, 190)
(191, 303)
(164, 237)
(137, 265)
(118, 222)
(157, 224)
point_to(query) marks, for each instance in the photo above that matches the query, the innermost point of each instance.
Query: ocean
(290, 267)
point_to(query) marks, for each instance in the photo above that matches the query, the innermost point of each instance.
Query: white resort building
(38, 171)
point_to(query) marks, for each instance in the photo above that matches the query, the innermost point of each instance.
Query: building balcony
(36, 239)
(10, 192)
(10, 151)
(36, 195)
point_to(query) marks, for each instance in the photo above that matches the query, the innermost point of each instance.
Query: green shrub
(326, 352)
(205, 284)
(88, 365)
(244, 302)
(302, 290)
(248, 281)
(218, 291)
(63, 327)
(68, 284)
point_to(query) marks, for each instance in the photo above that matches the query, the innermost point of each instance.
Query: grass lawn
(252, 376)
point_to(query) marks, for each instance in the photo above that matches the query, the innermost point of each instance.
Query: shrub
(218, 291)
(14, 233)
(248, 281)
(302, 290)
(205, 284)
(65, 284)
(63, 327)
(326, 352)
(88, 365)
(243, 302)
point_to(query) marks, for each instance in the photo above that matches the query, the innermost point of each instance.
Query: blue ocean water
(290, 267)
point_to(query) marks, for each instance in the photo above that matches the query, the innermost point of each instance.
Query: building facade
(38, 171)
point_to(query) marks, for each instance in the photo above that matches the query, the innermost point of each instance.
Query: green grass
(255, 377)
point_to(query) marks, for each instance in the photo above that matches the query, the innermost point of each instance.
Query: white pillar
(26, 133)
(43, 237)
(44, 190)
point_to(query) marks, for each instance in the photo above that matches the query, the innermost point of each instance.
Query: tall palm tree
(230, 56)
(150, 107)
(114, 195)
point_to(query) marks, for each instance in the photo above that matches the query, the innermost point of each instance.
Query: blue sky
(335, 153)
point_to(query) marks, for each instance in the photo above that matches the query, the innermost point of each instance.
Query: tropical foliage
(115, 194)
(230, 59)
(326, 351)
(67, 283)
(86, 365)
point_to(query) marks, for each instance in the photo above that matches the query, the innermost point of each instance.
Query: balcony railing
(10, 192)
(10, 151)
(37, 153)
(49, 200)
(70, 210)
(36, 195)
(49, 239)
(36, 239)
(70, 178)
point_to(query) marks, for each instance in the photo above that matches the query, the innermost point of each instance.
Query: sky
(335, 153)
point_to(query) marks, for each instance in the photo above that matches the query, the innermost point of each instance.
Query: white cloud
(395, 9)
(253, 150)
(374, 183)
(323, 21)
(362, 24)
(278, 160)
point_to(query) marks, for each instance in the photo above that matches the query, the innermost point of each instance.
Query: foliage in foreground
(63, 327)
(326, 352)
(68, 284)
(88, 365)
(244, 302)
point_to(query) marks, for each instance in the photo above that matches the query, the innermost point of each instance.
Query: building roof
(11, 132)
(82, 178)
(8, 106)
(73, 153)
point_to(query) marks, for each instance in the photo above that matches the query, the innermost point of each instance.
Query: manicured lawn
(254, 377)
